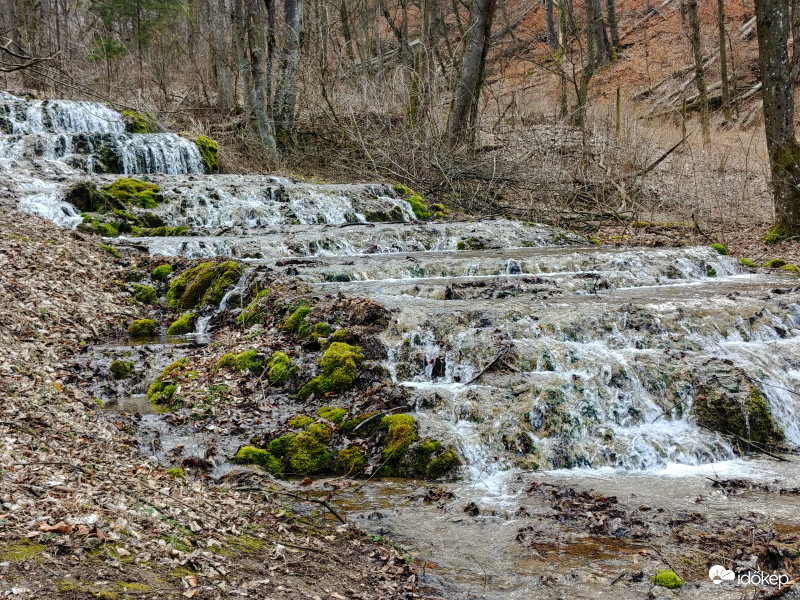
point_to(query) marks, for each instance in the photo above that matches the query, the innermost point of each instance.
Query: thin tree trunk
(603, 46)
(221, 48)
(562, 45)
(582, 86)
(286, 98)
(552, 37)
(723, 59)
(613, 25)
(463, 112)
(344, 17)
(700, 78)
(777, 76)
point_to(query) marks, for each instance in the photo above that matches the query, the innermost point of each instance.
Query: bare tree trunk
(723, 59)
(562, 51)
(613, 25)
(463, 112)
(286, 97)
(778, 75)
(552, 37)
(344, 17)
(582, 85)
(603, 47)
(699, 71)
(221, 49)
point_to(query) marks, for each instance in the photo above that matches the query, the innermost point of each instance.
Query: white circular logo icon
(718, 574)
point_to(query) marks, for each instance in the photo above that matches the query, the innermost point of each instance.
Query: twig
(487, 367)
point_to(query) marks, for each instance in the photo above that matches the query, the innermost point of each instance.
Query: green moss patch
(129, 190)
(306, 455)
(145, 294)
(142, 329)
(183, 325)
(208, 150)
(254, 312)
(176, 473)
(401, 431)
(775, 263)
(720, 249)
(20, 551)
(202, 284)
(249, 455)
(415, 200)
(350, 462)
(667, 579)
(280, 369)
(790, 268)
(300, 421)
(334, 415)
(749, 263)
(162, 390)
(339, 370)
(749, 418)
(162, 272)
(136, 122)
(121, 370)
(296, 320)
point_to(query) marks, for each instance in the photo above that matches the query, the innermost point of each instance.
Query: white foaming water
(19, 116)
(167, 153)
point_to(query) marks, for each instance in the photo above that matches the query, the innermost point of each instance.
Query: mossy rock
(332, 414)
(183, 325)
(415, 200)
(720, 249)
(249, 360)
(667, 579)
(749, 263)
(110, 250)
(350, 462)
(320, 431)
(296, 320)
(202, 284)
(86, 197)
(142, 329)
(162, 272)
(162, 390)
(749, 418)
(145, 294)
(306, 455)
(280, 369)
(775, 263)
(129, 190)
(339, 370)
(789, 268)
(136, 122)
(208, 150)
(401, 432)
(348, 427)
(248, 455)
(226, 360)
(300, 421)
(280, 445)
(121, 370)
(777, 235)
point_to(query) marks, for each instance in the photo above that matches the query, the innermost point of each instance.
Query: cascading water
(519, 351)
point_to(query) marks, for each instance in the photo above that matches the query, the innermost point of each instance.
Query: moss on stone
(749, 263)
(306, 455)
(443, 463)
(162, 272)
(350, 462)
(470, 244)
(280, 445)
(320, 431)
(320, 330)
(142, 328)
(667, 579)
(176, 473)
(332, 414)
(415, 200)
(401, 432)
(339, 370)
(249, 455)
(163, 389)
(748, 418)
(208, 150)
(129, 190)
(300, 421)
(136, 122)
(145, 294)
(279, 368)
(86, 197)
(227, 360)
(790, 268)
(340, 335)
(775, 263)
(110, 250)
(294, 322)
(121, 370)
(720, 249)
(249, 360)
(776, 235)
(183, 325)
(202, 284)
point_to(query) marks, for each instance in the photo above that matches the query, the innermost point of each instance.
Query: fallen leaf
(59, 527)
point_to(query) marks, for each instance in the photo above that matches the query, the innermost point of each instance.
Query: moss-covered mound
(120, 369)
(254, 312)
(142, 329)
(339, 370)
(86, 197)
(162, 390)
(667, 579)
(744, 414)
(162, 272)
(145, 294)
(202, 284)
(183, 325)
(129, 190)
(136, 122)
(248, 455)
(208, 150)
(415, 200)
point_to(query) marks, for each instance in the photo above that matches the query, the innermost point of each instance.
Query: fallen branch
(487, 367)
